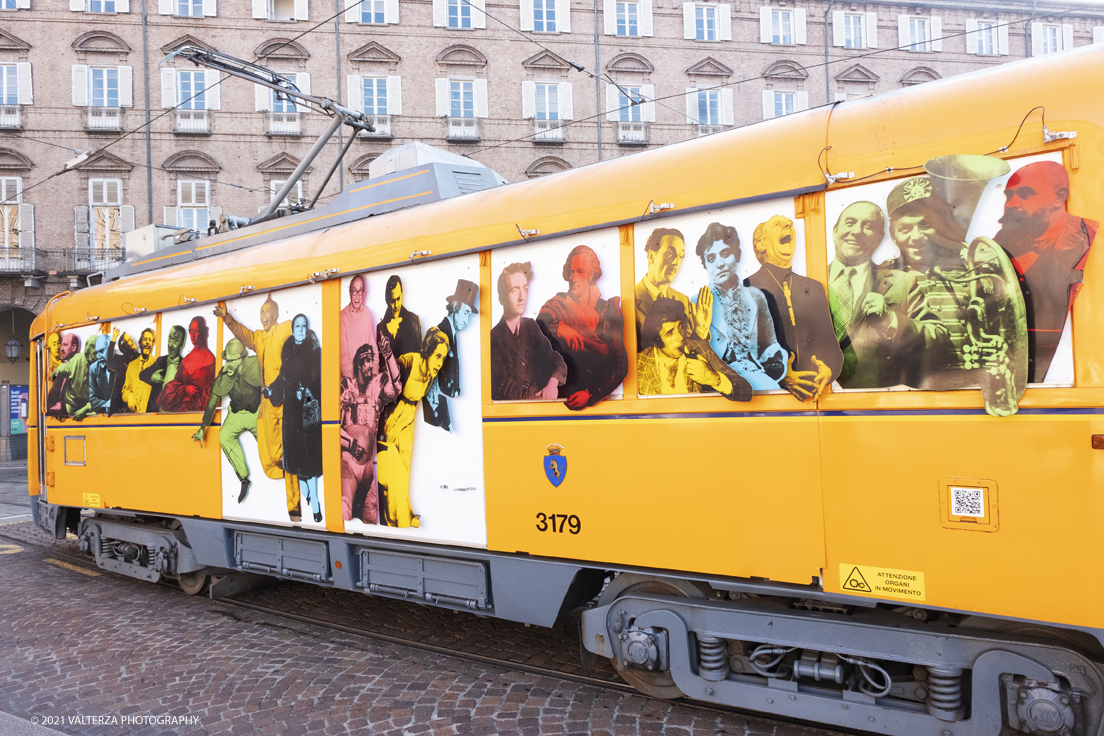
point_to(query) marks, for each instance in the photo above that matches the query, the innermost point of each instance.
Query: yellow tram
(906, 550)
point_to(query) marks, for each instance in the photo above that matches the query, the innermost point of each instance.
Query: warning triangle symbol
(856, 581)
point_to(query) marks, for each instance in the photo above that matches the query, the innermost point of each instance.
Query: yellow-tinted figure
(393, 462)
(267, 343)
(136, 392)
(53, 352)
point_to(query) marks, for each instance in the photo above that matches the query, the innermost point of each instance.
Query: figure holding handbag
(299, 389)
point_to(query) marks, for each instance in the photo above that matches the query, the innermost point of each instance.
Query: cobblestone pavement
(91, 648)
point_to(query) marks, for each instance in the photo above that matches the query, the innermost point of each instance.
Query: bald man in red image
(1048, 247)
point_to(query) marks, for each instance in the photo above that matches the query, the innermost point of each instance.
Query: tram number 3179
(555, 523)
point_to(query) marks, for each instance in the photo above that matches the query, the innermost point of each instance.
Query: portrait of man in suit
(879, 314)
(799, 307)
(459, 308)
(665, 249)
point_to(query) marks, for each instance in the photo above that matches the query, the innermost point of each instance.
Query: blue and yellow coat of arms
(555, 465)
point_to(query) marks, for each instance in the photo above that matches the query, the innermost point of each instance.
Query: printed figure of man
(665, 249)
(879, 315)
(163, 370)
(799, 308)
(362, 402)
(73, 373)
(191, 387)
(587, 330)
(120, 357)
(458, 311)
(99, 380)
(267, 343)
(358, 327)
(398, 325)
(673, 360)
(240, 379)
(136, 392)
(741, 330)
(524, 367)
(1048, 247)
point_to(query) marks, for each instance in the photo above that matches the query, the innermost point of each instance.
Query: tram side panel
(931, 499)
(662, 457)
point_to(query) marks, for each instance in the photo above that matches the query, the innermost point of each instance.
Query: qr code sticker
(968, 502)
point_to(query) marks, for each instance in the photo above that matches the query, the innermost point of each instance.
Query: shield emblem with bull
(555, 465)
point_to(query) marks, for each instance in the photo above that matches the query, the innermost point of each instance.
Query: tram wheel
(657, 684)
(192, 583)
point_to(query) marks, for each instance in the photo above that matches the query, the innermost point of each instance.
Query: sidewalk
(14, 501)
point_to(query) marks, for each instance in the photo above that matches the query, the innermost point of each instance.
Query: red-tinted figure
(1048, 248)
(191, 387)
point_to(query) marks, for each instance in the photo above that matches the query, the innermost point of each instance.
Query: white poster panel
(279, 451)
(549, 288)
(986, 222)
(708, 235)
(413, 397)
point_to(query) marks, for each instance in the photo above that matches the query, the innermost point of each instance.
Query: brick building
(482, 78)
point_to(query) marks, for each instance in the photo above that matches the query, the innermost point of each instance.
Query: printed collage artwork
(962, 277)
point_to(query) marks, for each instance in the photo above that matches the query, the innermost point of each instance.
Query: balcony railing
(704, 129)
(90, 260)
(191, 121)
(382, 125)
(11, 117)
(463, 129)
(284, 123)
(105, 118)
(633, 133)
(548, 131)
(21, 260)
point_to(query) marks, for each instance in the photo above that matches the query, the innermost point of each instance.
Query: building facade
(527, 89)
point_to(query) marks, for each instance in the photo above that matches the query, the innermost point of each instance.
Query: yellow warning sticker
(884, 582)
(92, 500)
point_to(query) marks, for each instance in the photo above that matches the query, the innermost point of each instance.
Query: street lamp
(12, 348)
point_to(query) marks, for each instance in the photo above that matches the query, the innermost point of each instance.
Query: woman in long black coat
(299, 389)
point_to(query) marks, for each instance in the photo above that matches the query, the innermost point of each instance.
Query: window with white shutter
(459, 13)
(104, 87)
(983, 37)
(628, 18)
(701, 22)
(192, 200)
(374, 95)
(920, 33)
(782, 26)
(105, 202)
(102, 6)
(11, 190)
(294, 197)
(188, 8)
(461, 99)
(1050, 38)
(9, 84)
(544, 15)
(15, 5)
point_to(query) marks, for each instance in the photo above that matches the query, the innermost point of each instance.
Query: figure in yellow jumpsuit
(267, 343)
(136, 392)
(393, 461)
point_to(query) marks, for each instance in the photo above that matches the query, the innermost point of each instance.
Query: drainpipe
(341, 131)
(597, 82)
(1028, 35)
(827, 77)
(149, 153)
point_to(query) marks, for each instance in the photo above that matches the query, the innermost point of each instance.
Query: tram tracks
(60, 554)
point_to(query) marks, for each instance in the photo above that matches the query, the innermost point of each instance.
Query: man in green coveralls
(240, 379)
